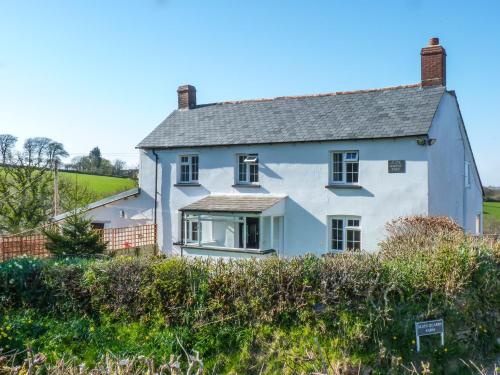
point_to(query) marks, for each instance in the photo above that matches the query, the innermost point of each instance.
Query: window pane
(194, 168)
(337, 167)
(353, 239)
(184, 159)
(184, 172)
(194, 231)
(242, 168)
(351, 156)
(337, 234)
(352, 172)
(353, 223)
(254, 172)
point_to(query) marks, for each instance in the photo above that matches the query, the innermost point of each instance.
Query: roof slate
(381, 113)
(233, 203)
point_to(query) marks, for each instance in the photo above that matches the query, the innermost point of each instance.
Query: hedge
(356, 307)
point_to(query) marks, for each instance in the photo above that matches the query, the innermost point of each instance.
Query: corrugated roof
(233, 203)
(368, 114)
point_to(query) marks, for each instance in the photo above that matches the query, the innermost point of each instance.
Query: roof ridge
(413, 85)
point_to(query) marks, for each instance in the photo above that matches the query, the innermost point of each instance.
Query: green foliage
(99, 186)
(75, 237)
(274, 315)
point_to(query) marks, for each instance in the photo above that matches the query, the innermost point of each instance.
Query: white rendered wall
(301, 172)
(448, 195)
(134, 213)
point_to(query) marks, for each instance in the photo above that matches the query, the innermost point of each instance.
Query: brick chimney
(186, 97)
(433, 61)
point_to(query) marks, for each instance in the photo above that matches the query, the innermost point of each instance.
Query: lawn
(491, 211)
(102, 186)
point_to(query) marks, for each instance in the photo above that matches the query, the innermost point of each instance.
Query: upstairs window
(248, 168)
(467, 174)
(345, 167)
(188, 169)
(345, 233)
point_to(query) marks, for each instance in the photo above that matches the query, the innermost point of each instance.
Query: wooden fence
(34, 245)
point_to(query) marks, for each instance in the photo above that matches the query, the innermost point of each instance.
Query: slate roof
(381, 113)
(233, 203)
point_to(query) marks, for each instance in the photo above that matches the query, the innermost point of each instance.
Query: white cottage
(319, 173)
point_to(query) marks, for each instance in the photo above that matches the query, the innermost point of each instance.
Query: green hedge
(355, 307)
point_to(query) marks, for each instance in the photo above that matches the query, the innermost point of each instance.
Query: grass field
(102, 186)
(491, 211)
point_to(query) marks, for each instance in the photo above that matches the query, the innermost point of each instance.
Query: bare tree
(7, 143)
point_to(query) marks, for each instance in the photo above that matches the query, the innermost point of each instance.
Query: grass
(101, 186)
(491, 210)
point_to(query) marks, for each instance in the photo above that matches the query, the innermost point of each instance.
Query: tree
(118, 167)
(75, 237)
(95, 158)
(26, 185)
(7, 143)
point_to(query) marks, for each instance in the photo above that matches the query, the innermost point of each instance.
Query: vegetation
(94, 163)
(491, 211)
(348, 313)
(99, 186)
(26, 183)
(75, 237)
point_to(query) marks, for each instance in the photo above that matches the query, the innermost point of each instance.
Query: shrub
(75, 237)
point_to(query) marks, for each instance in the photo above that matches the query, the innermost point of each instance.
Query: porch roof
(234, 203)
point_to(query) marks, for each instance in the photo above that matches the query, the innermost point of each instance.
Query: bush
(274, 314)
(75, 237)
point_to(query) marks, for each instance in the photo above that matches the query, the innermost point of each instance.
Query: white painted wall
(448, 195)
(299, 171)
(135, 213)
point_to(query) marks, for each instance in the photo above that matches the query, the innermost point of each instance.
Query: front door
(252, 233)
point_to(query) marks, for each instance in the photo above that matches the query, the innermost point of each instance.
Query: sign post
(430, 327)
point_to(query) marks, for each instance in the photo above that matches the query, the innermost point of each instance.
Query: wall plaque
(396, 166)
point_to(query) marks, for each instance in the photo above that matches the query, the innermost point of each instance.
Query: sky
(104, 73)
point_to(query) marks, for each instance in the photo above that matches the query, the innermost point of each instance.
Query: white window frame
(344, 162)
(250, 159)
(467, 174)
(345, 228)
(188, 231)
(188, 163)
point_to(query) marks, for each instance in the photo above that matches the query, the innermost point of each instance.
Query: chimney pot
(186, 97)
(434, 41)
(433, 64)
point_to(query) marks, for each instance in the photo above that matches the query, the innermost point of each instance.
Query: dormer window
(188, 169)
(344, 167)
(248, 169)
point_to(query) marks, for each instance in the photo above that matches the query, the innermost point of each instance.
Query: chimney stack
(186, 97)
(433, 61)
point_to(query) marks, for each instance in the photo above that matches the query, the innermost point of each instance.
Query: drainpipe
(155, 220)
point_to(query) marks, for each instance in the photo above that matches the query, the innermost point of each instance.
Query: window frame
(344, 167)
(192, 172)
(248, 166)
(188, 225)
(467, 179)
(345, 228)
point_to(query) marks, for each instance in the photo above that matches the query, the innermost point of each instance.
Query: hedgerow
(271, 315)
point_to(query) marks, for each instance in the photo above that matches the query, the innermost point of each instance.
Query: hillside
(102, 186)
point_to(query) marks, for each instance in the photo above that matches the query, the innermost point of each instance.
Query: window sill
(246, 185)
(229, 249)
(187, 184)
(343, 186)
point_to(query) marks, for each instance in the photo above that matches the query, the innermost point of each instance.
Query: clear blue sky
(102, 72)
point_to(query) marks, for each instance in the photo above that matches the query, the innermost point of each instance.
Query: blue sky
(105, 73)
